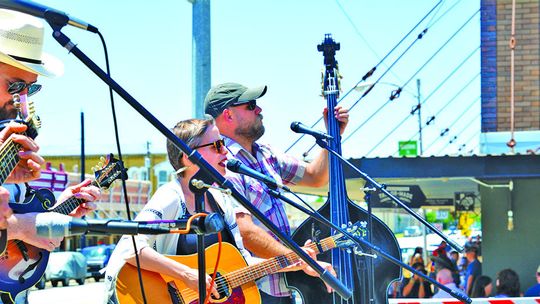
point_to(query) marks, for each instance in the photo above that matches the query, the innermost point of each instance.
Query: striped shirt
(282, 168)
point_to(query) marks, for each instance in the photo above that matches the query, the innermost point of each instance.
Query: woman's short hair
(508, 283)
(189, 131)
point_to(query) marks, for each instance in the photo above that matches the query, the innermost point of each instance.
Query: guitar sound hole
(222, 287)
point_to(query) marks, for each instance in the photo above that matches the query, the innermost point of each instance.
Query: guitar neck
(9, 157)
(70, 204)
(273, 265)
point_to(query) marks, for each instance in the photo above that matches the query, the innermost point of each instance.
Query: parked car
(97, 257)
(62, 267)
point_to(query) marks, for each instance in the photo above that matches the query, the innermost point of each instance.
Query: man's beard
(251, 132)
(7, 111)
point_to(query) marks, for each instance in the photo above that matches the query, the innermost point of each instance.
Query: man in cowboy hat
(239, 119)
(21, 62)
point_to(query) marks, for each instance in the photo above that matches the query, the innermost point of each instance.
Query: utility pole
(147, 161)
(419, 105)
(201, 63)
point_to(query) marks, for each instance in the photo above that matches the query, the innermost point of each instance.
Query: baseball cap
(227, 94)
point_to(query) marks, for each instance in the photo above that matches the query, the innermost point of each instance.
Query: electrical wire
(456, 136)
(370, 73)
(124, 186)
(393, 96)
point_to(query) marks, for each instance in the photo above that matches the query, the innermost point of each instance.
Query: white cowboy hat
(21, 44)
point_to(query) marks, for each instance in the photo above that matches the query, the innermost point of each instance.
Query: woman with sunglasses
(174, 200)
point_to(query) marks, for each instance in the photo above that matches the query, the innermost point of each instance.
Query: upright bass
(355, 269)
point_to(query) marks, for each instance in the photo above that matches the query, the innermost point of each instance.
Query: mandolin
(22, 265)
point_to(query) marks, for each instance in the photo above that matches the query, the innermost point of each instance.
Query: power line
(370, 73)
(453, 139)
(393, 96)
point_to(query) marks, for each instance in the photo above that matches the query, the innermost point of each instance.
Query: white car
(62, 267)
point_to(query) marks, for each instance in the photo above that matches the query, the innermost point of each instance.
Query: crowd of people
(462, 274)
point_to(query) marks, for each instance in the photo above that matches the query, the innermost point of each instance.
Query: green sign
(408, 148)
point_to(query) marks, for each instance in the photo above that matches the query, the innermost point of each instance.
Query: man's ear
(227, 115)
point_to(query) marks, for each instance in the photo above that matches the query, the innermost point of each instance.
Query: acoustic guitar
(22, 265)
(234, 280)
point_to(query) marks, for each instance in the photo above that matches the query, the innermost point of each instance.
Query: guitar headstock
(27, 113)
(111, 170)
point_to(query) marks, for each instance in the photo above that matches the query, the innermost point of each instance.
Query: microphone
(44, 12)
(236, 166)
(299, 127)
(52, 225)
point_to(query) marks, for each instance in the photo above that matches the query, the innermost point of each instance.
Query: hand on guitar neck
(29, 166)
(22, 226)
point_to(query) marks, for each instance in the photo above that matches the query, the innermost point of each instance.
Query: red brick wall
(527, 67)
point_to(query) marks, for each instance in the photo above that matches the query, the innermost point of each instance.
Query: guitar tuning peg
(100, 165)
(102, 159)
(343, 226)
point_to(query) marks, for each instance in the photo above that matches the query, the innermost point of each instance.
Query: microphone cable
(188, 224)
(124, 186)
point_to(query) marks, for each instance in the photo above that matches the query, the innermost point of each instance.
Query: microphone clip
(199, 184)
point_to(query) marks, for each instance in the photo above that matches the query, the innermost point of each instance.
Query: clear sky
(272, 43)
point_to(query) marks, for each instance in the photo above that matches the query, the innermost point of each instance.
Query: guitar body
(313, 291)
(157, 286)
(22, 265)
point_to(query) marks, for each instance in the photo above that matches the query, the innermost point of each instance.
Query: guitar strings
(10, 148)
(241, 276)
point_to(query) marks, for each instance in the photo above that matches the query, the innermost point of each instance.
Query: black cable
(369, 74)
(393, 96)
(124, 186)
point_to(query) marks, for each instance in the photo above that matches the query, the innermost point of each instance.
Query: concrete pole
(201, 55)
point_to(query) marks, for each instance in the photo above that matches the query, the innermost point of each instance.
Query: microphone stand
(199, 207)
(362, 242)
(379, 187)
(193, 155)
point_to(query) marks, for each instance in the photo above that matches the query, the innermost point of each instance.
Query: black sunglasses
(18, 86)
(251, 105)
(218, 145)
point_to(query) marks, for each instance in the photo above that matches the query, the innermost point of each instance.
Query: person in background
(534, 291)
(507, 284)
(416, 287)
(474, 268)
(444, 276)
(482, 287)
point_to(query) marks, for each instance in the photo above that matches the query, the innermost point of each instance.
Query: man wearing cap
(534, 291)
(239, 119)
(474, 268)
(21, 61)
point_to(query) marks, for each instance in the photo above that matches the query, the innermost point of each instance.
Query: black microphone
(236, 166)
(47, 13)
(52, 225)
(299, 127)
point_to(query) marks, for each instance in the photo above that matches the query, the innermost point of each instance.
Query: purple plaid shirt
(282, 168)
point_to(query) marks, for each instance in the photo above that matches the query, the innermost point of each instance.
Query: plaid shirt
(280, 167)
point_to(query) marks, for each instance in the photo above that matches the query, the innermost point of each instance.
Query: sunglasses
(251, 105)
(18, 86)
(218, 145)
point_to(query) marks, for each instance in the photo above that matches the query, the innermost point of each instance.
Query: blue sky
(272, 43)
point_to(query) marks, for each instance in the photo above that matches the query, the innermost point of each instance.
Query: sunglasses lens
(219, 145)
(33, 89)
(16, 87)
(252, 105)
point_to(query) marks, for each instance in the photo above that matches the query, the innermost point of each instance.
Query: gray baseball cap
(228, 94)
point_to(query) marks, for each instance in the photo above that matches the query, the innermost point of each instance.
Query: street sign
(408, 148)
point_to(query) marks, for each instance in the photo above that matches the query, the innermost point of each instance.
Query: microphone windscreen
(52, 224)
(233, 165)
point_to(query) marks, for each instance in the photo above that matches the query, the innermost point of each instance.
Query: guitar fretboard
(273, 265)
(9, 157)
(70, 204)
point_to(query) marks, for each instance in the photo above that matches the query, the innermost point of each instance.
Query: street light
(395, 94)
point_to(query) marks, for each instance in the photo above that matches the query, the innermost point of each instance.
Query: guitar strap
(212, 202)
